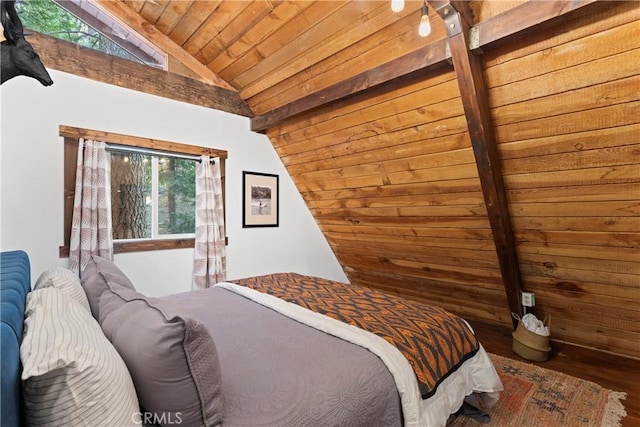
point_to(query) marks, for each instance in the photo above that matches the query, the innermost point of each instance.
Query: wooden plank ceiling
(497, 154)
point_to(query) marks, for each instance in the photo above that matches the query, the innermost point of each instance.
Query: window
(152, 195)
(86, 24)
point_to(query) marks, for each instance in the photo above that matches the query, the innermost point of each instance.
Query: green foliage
(177, 182)
(45, 16)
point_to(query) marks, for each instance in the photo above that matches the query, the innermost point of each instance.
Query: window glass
(176, 196)
(83, 23)
(152, 197)
(131, 196)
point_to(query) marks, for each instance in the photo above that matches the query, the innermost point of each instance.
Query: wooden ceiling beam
(84, 62)
(428, 56)
(520, 20)
(129, 18)
(475, 101)
(517, 21)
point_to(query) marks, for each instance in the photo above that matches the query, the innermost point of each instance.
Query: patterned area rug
(538, 397)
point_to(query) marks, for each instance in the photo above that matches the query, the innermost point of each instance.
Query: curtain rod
(151, 152)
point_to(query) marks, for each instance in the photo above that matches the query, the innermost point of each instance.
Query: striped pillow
(65, 280)
(71, 374)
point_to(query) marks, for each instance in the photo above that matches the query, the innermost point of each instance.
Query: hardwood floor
(610, 371)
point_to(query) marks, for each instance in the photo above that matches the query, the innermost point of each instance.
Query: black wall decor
(18, 57)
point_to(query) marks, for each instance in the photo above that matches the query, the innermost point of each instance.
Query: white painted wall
(31, 179)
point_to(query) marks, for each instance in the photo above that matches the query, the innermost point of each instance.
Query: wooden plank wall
(390, 177)
(565, 109)
(398, 196)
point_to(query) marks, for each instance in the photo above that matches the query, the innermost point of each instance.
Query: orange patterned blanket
(434, 341)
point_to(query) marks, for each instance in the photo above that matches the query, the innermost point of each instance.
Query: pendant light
(397, 5)
(424, 29)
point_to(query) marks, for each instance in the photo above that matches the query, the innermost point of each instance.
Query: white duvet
(476, 375)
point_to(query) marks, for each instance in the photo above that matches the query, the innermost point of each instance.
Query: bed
(275, 350)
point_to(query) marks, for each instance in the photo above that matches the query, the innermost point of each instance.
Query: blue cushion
(12, 302)
(11, 371)
(15, 283)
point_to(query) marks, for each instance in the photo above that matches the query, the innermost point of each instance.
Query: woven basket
(530, 345)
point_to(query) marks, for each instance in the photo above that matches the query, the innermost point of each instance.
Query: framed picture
(260, 199)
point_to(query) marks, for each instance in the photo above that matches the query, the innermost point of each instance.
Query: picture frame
(260, 200)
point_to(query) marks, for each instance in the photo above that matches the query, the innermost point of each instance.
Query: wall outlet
(528, 299)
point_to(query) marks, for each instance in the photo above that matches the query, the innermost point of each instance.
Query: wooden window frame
(72, 136)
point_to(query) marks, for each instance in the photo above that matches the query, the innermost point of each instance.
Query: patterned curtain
(210, 259)
(91, 232)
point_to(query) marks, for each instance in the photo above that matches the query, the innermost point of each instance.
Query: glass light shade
(424, 29)
(397, 5)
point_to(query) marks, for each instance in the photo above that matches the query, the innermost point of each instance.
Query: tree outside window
(152, 196)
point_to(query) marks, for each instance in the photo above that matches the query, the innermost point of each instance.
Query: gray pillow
(94, 280)
(171, 356)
